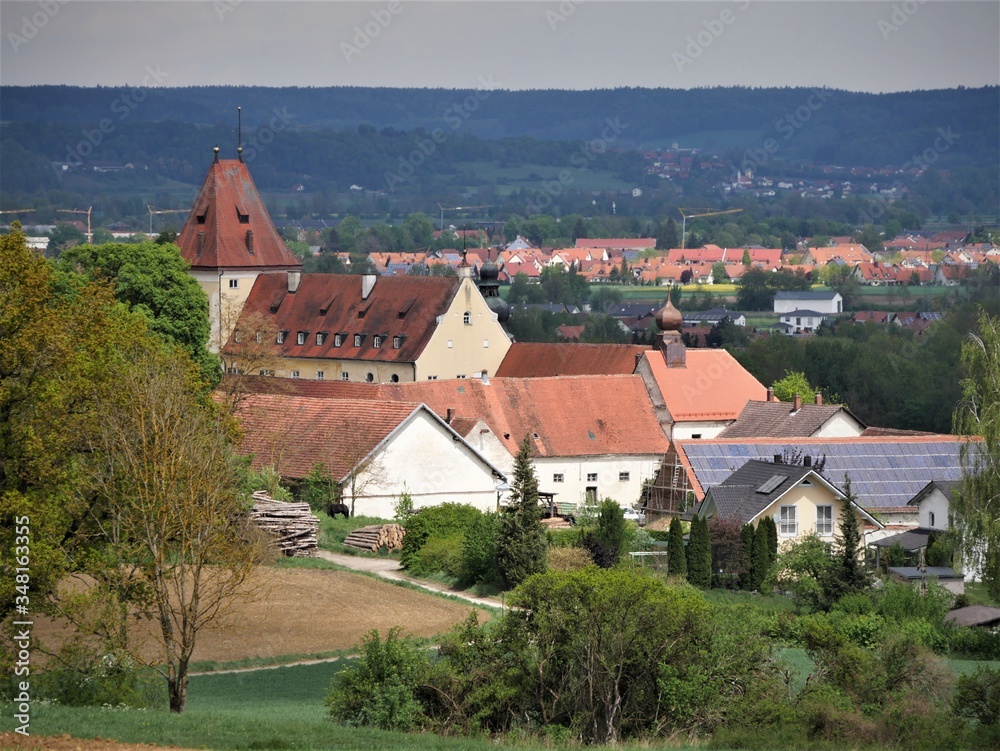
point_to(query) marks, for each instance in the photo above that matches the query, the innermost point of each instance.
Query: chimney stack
(797, 403)
(449, 415)
(250, 241)
(294, 277)
(770, 395)
(807, 461)
(367, 285)
(777, 458)
(818, 398)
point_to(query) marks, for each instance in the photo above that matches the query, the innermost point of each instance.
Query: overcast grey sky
(578, 44)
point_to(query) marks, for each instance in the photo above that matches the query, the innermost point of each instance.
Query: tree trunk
(177, 687)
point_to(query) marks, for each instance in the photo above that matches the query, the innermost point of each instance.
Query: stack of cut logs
(389, 536)
(292, 526)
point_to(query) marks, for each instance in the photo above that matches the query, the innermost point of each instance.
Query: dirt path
(388, 568)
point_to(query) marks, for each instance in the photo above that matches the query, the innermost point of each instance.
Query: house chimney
(807, 461)
(367, 285)
(294, 277)
(485, 377)
(770, 395)
(796, 402)
(250, 241)
(449, 415)
(777, 458)
(818, 399)
(201, 243)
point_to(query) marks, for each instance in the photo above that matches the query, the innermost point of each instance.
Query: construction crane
(459, 208)
(17, 211)
(90, 235)
(697, 213)
(154, 210)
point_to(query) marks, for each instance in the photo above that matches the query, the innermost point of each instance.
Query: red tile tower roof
(229, 227)
(540, 359)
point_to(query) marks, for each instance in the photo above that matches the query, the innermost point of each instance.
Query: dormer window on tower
(244, 218)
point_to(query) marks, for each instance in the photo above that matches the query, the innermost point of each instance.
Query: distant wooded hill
(834, 127)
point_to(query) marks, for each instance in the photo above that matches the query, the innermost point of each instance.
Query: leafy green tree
(667, 236)
(676, 555)
(806, 569)
(609, 540)
(521, 542)
(755, 291)
(380, 688)
(977, 507)
(603, 329)
(58, 338)
(793, 383)
(419, 230)
(747, 259)
(153, 280)
(63, 237)
(699, 551)
(603, 298)
(871, 238)
(760, 557)
(719, 274)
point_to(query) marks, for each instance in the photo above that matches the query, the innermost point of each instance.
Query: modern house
(828, 303)
(801, 321)
(799, 499)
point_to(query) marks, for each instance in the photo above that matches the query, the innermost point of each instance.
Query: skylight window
(771, 483)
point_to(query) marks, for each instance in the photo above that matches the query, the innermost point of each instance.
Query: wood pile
(556, 522)
(388, 536)
(292, 526)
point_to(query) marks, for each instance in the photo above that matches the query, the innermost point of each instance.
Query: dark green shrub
(676, 554)
(446, 520)
(439, 553)
(90, 679)
(479, 550)
(973, 643)
(379, 689)
(977, 696)
(563, 538)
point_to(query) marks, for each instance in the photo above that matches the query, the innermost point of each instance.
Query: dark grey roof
(637, 309)
(931, 572)
(715, 314)
(778, 420)
(911, 540)
(753, 487)
(791, 295)
(885, 472)
(974, 615)
(947, 488)
(804, 314)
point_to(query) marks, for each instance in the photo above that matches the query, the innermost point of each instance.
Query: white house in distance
(380, 450)
(830, 303)
(802, 321)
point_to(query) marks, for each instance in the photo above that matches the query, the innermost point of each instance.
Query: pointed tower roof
(229, 227)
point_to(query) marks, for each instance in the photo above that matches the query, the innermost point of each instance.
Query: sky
(506, 44)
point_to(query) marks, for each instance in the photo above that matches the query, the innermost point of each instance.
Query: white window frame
(320, 337)
(623, 476)
(824, 527)
(591, 477)
(357, 340)
(788, 520)
(558, 477)
(344, 376)
(300, 338)
(295, 374)
(467, 318)
(376, 341)
(338, 340)
(320, 375)
(234, 284)
(397, 342)
(281, 337)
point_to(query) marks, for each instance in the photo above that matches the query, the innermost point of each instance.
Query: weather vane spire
(239, 132)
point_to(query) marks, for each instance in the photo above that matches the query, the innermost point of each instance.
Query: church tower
(229, 240)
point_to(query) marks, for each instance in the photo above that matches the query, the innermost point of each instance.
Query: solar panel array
(883, 474)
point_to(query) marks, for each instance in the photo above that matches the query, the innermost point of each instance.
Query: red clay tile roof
(227, 207)
(538, 360)
(293, 433)
(572, 416)
(403, 306)
(712, 385)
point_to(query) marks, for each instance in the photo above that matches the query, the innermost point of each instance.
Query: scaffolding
(671, 492)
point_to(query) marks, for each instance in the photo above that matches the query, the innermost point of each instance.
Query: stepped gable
(229, 227)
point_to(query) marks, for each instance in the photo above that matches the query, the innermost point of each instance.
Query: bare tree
(250, 352)
(360, 451)
(172, 515)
